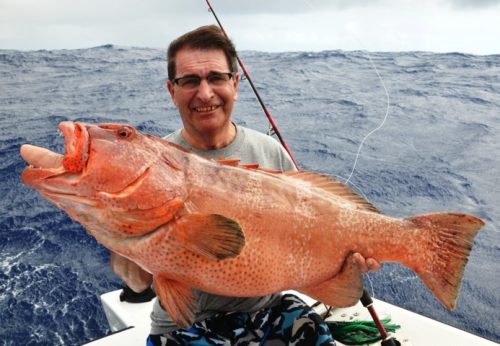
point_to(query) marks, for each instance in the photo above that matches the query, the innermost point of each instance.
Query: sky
(467, 26)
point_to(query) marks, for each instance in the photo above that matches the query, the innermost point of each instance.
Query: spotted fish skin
(233, 230)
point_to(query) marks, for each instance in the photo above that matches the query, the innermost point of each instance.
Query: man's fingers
(366, 265)
(360, 261)
(373, 265)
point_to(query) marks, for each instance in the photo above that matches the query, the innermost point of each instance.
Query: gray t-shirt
(249, 146)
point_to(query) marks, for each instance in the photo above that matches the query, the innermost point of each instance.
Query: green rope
(358, 332)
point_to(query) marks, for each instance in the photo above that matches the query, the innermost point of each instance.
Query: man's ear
(236, 82)
(171, 91)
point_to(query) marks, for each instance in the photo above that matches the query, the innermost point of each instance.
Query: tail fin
(442, 265)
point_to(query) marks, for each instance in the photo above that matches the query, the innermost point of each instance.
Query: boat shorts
(290, 322)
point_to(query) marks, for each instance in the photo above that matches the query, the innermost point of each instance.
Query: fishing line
(366, 299)
(372, 290)
(382, 123)
(379, 126)
(273, 125)
(347, 181)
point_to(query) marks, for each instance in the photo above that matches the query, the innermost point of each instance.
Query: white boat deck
(130, 324)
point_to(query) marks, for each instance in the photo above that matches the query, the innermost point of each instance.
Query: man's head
(203, 84)
(207, 37)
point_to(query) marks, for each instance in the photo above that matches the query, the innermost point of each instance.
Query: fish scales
(236, 231)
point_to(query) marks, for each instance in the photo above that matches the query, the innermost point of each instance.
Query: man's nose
(205, 91)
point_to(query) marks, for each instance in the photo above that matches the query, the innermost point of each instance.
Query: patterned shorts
(291, 322)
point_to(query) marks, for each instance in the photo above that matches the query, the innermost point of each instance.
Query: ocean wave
(436, 151)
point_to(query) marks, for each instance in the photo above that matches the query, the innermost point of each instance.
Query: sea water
(437, 150)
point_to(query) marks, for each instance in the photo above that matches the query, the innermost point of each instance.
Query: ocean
(438, 149)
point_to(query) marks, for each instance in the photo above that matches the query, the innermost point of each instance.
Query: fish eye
(124, 132)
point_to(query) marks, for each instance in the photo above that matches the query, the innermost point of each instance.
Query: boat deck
(130, 324)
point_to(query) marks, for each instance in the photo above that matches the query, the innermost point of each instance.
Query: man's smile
(206, 108)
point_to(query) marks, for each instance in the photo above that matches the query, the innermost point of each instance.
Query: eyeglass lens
(214, 79)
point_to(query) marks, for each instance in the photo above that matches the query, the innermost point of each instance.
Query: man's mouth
(206, 108)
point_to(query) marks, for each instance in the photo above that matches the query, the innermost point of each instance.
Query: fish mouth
(44, 163)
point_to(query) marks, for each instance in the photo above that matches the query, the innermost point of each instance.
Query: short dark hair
(205, 37)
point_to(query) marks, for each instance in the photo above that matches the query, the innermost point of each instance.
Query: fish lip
(76, 145)
(67, 129)
(41, 158)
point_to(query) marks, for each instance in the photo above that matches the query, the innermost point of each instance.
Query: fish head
(114, 180)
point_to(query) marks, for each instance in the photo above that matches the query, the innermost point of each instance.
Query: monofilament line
(386, 112)
(378, 127)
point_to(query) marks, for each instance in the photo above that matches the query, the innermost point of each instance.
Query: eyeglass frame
(229, 74)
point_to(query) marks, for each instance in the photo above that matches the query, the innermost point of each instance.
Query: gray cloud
(286, 6)
(300, 6)
(274, 25)
(474, 3)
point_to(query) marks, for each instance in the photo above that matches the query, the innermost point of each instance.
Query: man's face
(207, 108)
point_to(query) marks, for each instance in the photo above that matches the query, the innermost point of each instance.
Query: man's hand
(366, 265)
(136, 278)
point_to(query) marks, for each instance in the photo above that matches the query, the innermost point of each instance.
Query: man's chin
(210, 123)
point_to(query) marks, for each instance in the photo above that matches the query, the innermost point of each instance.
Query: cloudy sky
(469, 26)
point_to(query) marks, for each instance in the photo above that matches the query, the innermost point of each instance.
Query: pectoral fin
(342, 290)
(214, 236)
(177, 299)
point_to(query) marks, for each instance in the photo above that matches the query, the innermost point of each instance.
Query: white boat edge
(130, 323)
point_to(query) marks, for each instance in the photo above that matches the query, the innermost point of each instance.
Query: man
(203, 84)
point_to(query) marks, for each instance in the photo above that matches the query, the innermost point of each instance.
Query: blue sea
(438, 149)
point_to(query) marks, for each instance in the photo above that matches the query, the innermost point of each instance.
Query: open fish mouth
(76, 149)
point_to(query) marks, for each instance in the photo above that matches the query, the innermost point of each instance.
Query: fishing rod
(387, 340)
(255, 91)
(366, 299)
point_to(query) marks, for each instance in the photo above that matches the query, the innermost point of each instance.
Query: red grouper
(233, 230)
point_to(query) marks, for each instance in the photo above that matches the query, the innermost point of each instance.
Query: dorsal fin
(236, 163)
(228, 162)
(316, 180)
(331, 186)
(254, 166)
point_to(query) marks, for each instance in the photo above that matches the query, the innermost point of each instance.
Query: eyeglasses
(215, 79)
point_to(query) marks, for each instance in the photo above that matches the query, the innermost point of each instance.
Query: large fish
(235, 231)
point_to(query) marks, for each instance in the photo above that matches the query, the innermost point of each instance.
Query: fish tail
(441, 263)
